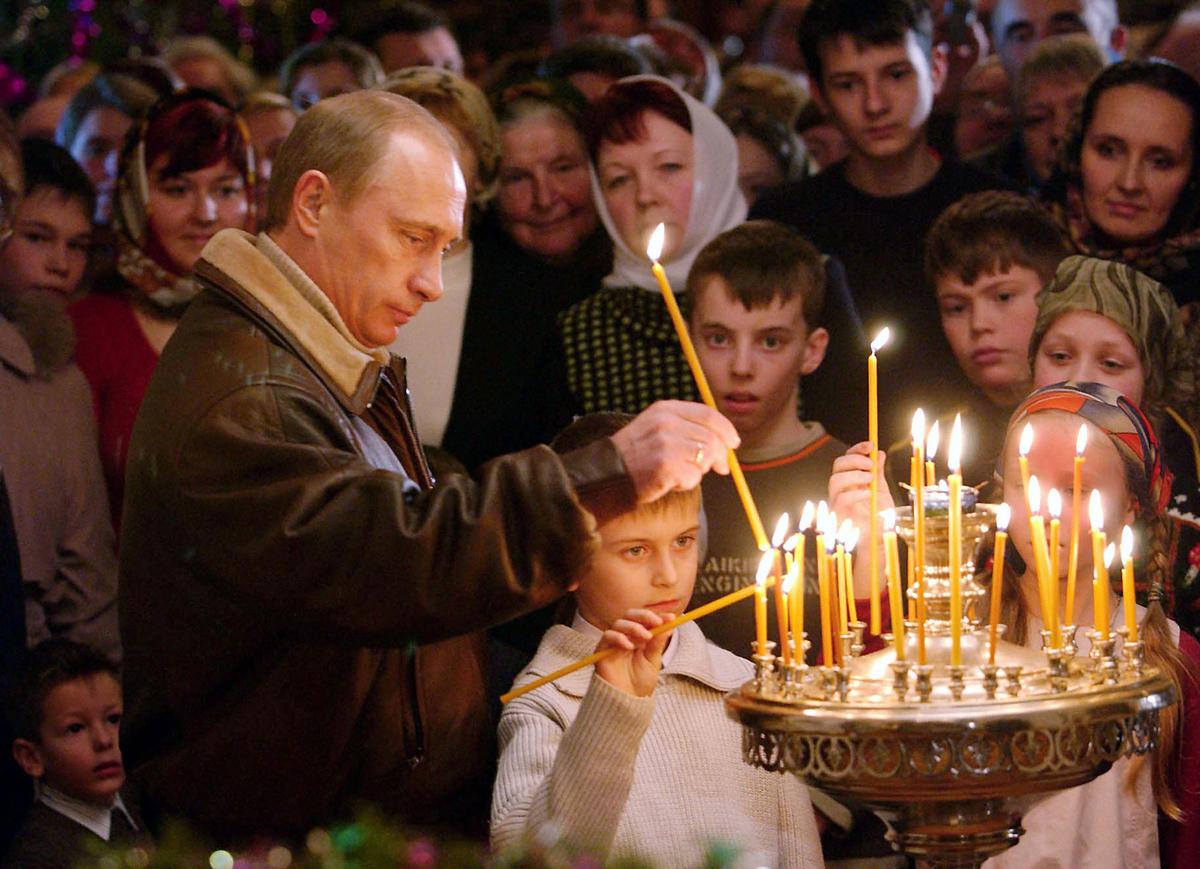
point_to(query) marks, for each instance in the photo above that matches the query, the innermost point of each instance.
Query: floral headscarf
(139, 260)
(1126, 427)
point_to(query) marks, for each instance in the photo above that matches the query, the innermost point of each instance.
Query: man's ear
(815, 346)
(29, 757)
(939, 67)
(312, 194)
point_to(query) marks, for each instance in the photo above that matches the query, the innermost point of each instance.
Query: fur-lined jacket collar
(36, 336)
(256, 272)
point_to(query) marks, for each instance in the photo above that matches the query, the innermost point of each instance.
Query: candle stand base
(1058, 660)
(960, 836)
(957, 672)
(1135, 655)
(764, 664)
(1106, 669)
(924, 682)
(857, 645)
(1013, 675)
(990, 680)
(1069, 644)
(900, 678)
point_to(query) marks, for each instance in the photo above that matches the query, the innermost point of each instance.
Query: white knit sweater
(661, 777)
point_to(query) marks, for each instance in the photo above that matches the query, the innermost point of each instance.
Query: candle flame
(654, 247)
(1003, 514)
(1026, 443)
(931, 442)
(1054, 503)
(1109, 551)
(882, 338)
(789, 581)
(781, 530)
(831, 525)
(954, 456)
(1126, 544)
(918, 427)
(1035, 496)
(764, 567)
(889, 519)
(1095, 511)
(1081, 439)
(843, 531)
(822, 516)
(806, 516)
(791, 543)
(852, 535)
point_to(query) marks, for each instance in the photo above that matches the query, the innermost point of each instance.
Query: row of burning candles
(784, 561)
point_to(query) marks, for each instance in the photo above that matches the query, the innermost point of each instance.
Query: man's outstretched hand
(672, 444)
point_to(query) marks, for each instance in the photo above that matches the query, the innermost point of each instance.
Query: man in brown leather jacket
(297, 597)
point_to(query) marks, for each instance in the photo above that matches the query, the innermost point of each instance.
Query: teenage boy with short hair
(756, 294)
(874, 70)
(987, 257)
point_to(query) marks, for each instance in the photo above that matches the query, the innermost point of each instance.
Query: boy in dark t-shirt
(874, 70)
(755, 294)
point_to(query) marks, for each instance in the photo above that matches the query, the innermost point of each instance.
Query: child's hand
(634, 668)
(850, 485)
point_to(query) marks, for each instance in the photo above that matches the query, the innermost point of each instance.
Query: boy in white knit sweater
(636, 755)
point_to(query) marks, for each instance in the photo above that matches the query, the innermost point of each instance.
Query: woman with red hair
(186, 174)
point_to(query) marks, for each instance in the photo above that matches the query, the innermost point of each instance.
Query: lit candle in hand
(892, 551)
(873, 428)
(1002, 516)
(1127, 582)
(1073, 545)
(1099, 569)
(781, 608)
(760, 601)
(954, 458)
(931, 447)
(654, 250)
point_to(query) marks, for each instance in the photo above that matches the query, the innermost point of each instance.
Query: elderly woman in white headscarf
(658, 156)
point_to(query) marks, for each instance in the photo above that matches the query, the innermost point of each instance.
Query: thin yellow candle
(793, 593)
(823, 593)
(1054, 508)
(1002, 516)
(849, 543)
(1047, 594)
(931, 446)
(1105, 588)
(1127, 582)
(873, 430)
(781, 608)
(760, 601)
(1073, 544)
(1099, 572)
(892, 552)
(955, 482)
(654, 251)
(839, 564)
(918, 440)
(914, 482)
(799, 585)
(911, 602)
(698, 613)
(1023, 448)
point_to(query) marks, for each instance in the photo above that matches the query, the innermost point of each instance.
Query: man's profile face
(879, 96)
(435, 47)
(383, 249)
(1019, 25)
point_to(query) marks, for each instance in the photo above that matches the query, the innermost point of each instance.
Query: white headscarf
(717, 202)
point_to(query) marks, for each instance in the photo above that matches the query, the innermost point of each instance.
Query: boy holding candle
(636, 755)
(755, 294)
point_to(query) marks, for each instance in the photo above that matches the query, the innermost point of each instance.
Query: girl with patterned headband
(1146, 809)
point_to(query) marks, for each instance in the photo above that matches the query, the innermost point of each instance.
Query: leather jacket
(299, 602)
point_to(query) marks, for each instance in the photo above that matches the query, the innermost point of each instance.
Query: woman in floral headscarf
(1129, 184)
(186, 173)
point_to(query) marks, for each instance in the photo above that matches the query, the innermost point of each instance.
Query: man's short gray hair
(345, 137)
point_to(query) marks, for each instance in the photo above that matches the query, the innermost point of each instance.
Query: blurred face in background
(545, 199)
(267, 128)
(758, 170)
(1045, 118)
(97, 148)
(319, 81)
(985, 116)
(48, 250)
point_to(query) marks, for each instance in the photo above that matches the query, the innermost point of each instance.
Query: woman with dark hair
(658, 156)
(186, 174)
(1129, 187)
(768, 152)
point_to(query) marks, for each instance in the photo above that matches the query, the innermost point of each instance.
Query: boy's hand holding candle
(633, 667)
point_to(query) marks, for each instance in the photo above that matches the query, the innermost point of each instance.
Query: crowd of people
(336, 403)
